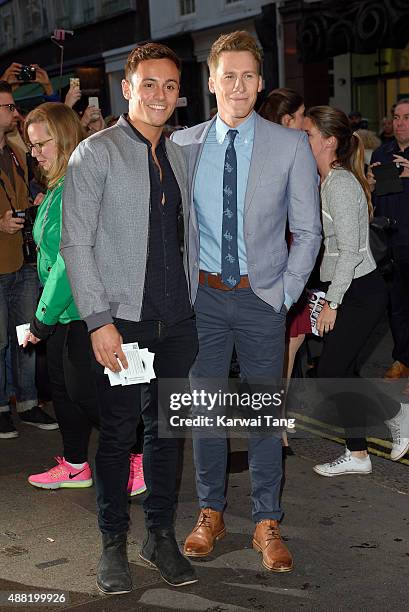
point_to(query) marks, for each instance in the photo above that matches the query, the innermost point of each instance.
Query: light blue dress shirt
(208, 190)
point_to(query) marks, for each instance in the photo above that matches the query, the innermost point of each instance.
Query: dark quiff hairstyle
(149, 51)
(280, 102)
(5, 87)
(235, 41)
(350, 149)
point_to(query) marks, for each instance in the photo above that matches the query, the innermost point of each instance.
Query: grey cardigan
(105, 222)
(345, 225)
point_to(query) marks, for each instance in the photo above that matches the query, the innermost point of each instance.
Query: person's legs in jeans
(212, 308)
(259, 333)
(5, 282)
(175, 351)
(399, 307)
(22, 302)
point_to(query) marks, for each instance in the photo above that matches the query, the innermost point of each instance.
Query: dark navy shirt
(396, 205)
(165, 296)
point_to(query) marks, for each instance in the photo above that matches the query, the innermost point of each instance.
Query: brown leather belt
(215, 282)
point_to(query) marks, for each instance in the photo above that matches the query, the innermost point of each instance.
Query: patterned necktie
(230, 257)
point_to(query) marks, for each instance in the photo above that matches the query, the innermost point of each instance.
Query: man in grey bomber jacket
(123, 190)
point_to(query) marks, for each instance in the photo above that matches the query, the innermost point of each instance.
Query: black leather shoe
(161, 551)
(113, 575)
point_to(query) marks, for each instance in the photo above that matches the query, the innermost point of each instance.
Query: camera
(27, 73)
(21, 214)
(29, 247)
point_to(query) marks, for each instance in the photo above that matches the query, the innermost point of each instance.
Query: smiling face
(45, 152)
(152, 94)
(235, 81)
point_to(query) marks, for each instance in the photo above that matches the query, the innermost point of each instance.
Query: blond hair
(235, 41)
(63, 125)
(369, 138)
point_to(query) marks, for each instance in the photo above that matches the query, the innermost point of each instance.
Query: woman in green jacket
(54, 130)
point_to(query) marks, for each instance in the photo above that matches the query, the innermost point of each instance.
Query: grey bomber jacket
(345, 224)
(105, 222)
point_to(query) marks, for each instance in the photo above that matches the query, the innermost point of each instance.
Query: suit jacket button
(49, 269)
(43, 309)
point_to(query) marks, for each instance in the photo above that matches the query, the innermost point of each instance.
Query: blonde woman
(52, 132)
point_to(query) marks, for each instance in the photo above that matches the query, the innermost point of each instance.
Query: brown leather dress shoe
(397, 370)
(267, 540)
(209, 528)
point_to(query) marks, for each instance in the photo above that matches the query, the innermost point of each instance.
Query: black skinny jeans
(175, 348)
(72, 388)
(363, 305)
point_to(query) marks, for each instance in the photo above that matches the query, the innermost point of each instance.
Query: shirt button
(49, 269)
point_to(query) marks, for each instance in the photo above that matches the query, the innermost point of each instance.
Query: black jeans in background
(363, 306)
(72, 387)
(175, 348)
(399, 305)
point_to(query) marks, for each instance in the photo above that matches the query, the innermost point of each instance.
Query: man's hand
(11, 73)
(43, 79)
(39, 198)
(96, 125)
(371, 177)
(73, 95)
(403, 163)
(106, 343)
(10, 224)
(326, 320)
(30, 338)
(92, 115)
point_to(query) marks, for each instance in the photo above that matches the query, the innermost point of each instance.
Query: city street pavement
(349, 535)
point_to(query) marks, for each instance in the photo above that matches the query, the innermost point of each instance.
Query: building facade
(26, 27)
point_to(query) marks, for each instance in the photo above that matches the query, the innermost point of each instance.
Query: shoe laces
(395, 431)
(136, 468)
(204, 520)
(342, 459)
(273, 533)
(59, 469)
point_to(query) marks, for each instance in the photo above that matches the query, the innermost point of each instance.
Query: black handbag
(380, 229)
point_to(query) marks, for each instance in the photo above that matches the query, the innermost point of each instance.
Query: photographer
(19, 74)
(18, 279)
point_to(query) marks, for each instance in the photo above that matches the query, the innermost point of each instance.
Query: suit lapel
(261, 150)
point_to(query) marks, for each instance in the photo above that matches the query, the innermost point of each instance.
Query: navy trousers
(238, 318)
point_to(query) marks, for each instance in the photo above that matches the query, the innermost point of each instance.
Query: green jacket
(56, 303)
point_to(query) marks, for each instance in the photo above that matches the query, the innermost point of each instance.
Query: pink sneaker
(136, 482)
(62, 476)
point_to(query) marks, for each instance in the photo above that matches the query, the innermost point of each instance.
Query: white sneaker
(399, 428)
(345, 464)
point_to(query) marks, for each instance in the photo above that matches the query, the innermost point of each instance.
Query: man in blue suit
(248, 178)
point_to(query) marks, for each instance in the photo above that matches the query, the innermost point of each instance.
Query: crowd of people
(265, 197)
